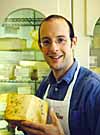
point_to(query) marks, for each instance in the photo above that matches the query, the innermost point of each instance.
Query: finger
(12, 124)
(31, 131)
(53, 116)
(33, 125)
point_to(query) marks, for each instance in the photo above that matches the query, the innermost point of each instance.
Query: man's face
(56, 44)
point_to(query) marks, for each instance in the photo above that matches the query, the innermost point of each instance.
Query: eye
(46, 42)
(61, 40)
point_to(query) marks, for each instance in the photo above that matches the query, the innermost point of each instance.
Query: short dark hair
(51, 17)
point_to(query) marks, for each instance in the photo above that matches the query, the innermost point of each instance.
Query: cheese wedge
(26, 107)
(9, 43)
(3, 103)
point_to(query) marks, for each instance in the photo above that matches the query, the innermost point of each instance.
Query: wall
(82, 51)
(81, 17)
(45, 6)
(92, 15)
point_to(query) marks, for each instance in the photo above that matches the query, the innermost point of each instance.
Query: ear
(42, 49)
(74, 42)
(39, 46)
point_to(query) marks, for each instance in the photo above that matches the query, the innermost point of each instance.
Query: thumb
(55, 121)
(53, 117)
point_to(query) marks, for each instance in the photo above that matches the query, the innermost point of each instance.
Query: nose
(54, 47)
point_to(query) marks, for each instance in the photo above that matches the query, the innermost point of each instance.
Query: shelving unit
(22, 21)
(13, 58)
(19, 24)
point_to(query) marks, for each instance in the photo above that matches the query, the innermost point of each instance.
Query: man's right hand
(54, 128)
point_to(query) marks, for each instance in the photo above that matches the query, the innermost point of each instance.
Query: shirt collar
(67, 77)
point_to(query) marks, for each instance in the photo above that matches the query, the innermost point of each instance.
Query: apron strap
(67, 98)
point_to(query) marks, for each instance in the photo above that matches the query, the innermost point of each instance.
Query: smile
(56, 57)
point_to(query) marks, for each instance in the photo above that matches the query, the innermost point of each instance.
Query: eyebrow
(56, 37)
(61, 36)
(43, 38)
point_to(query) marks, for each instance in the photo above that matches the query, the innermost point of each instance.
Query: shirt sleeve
(96, 110)
(85, 106)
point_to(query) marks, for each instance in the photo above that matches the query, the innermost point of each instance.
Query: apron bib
(61, 108)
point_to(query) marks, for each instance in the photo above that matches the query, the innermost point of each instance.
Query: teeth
(56, 57)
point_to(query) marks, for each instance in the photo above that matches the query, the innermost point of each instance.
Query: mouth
(56, 57)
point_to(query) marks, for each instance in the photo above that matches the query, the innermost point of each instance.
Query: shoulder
(90, 89)
(87, 86)
(88, 77)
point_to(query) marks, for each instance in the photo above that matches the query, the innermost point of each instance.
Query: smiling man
(70, 89)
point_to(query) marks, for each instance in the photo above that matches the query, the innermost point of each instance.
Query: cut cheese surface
(3, 103)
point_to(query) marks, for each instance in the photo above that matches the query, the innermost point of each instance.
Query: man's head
(51, 17)
(57, 41)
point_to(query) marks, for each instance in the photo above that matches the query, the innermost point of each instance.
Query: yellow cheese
(6, 71)
(26, 107)
(41, 69)
(3, 103)
(96, 41)
(12, 44)
(96, 69)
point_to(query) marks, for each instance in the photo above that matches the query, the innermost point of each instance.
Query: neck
(61, 72)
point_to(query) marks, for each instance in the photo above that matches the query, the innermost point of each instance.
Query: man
(72, 91)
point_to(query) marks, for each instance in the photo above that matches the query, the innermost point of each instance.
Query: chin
(57, 68)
